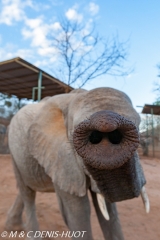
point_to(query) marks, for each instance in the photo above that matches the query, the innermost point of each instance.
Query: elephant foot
(14, 225)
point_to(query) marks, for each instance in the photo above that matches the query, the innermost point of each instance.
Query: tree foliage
(83, 55)
(157, 87)
(10, 104)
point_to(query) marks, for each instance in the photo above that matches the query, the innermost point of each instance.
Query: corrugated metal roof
(18, 77)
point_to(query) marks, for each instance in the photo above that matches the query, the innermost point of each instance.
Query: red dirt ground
(136, 224)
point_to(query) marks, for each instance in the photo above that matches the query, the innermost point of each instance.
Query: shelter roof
(149, 108)
(18, 77)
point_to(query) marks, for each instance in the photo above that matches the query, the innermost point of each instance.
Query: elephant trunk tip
(106, 140)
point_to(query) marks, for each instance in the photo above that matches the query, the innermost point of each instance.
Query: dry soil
(136, 224)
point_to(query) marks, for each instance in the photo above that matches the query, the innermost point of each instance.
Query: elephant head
(93, 133)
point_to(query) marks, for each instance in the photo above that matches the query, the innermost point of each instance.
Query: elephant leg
(14, 218)
(76, 214)
(111, 229)
(28, 198)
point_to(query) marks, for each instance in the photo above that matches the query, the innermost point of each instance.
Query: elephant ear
(48, 143)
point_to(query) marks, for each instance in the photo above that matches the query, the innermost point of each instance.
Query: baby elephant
(71, 144)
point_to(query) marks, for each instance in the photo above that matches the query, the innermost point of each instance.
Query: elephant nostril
(115, 137)
(95, 137)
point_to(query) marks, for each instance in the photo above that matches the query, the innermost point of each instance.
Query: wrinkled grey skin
(45, 160)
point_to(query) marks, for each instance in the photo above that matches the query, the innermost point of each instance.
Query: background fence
(150, 135)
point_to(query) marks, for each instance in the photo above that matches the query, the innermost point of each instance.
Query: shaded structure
(151, 109)
(23, 79)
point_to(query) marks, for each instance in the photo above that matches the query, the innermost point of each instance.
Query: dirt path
(136, 224)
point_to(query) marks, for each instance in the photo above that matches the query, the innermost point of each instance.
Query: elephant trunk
(107, 142)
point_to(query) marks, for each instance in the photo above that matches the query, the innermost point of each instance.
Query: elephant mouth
(107, 143)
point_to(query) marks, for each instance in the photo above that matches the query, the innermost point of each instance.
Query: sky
(25, 27)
